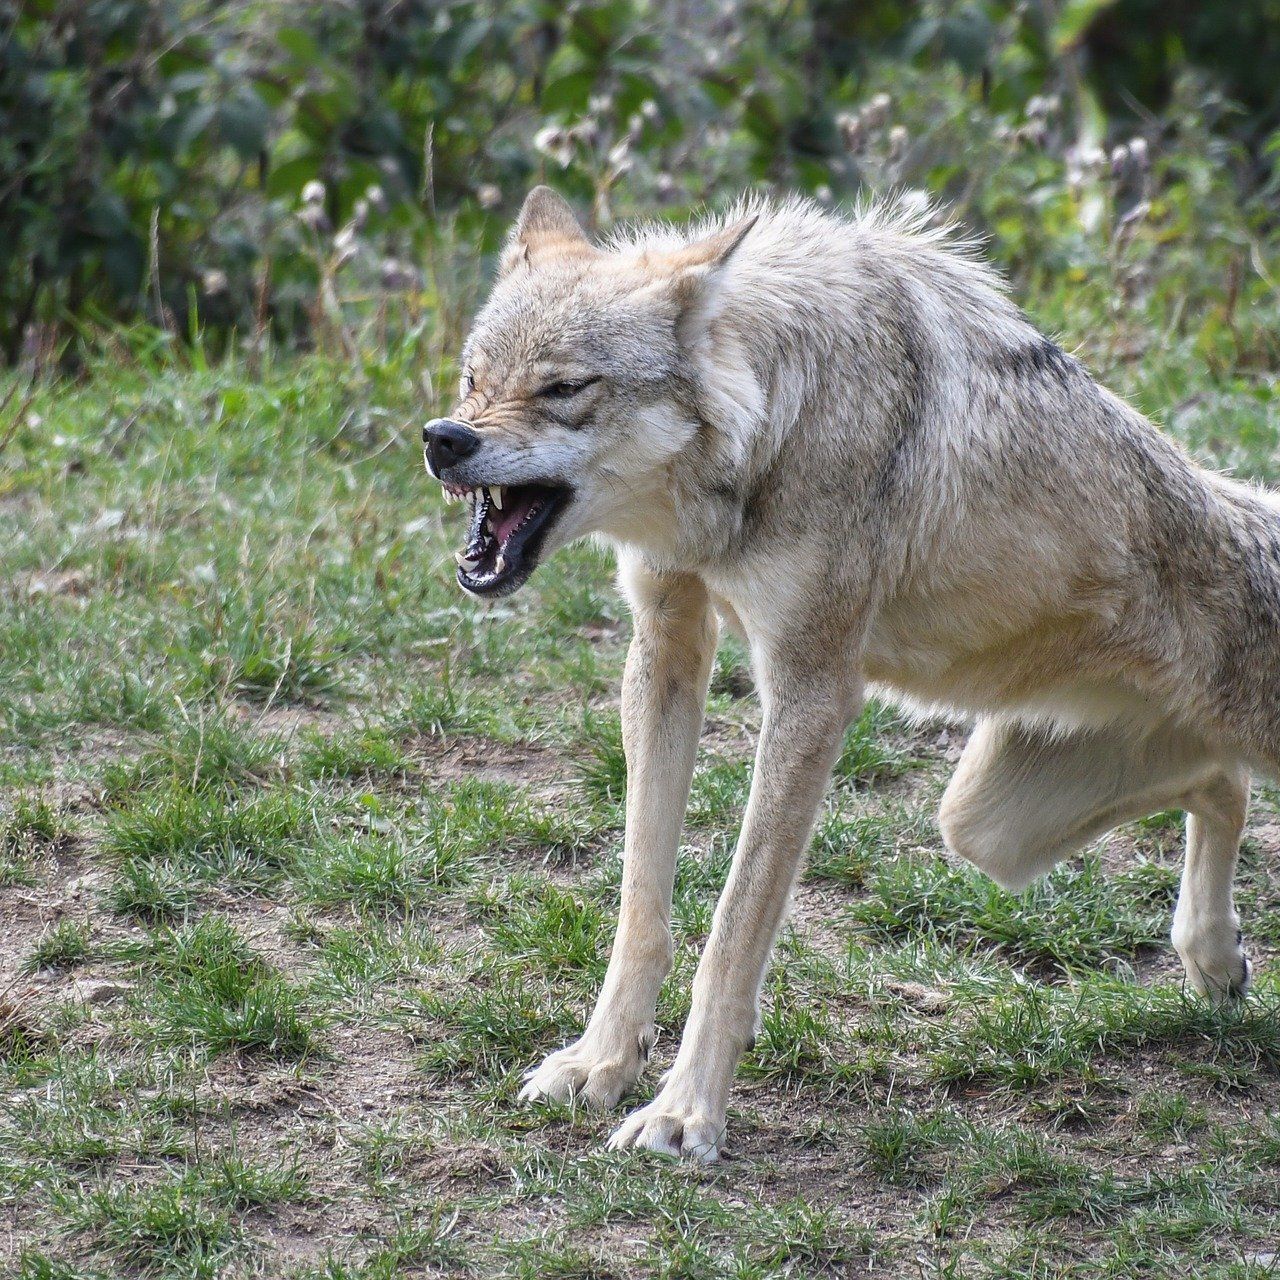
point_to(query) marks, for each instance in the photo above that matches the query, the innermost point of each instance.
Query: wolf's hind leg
(664, 690)
(1023, 798)
(1206, 928)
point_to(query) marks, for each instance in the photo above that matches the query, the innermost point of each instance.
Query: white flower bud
(313, 216)
(345, 241)
(398, 275)
(554, 142)
(876, 112)
(851, 130)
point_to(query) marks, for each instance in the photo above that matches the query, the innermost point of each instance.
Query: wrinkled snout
(447, 443)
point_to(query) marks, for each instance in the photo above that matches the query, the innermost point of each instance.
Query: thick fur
(839, 436)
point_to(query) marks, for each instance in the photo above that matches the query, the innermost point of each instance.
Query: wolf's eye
(468, 384)
(563, 390)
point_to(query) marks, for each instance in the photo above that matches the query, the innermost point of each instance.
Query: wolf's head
(579, 391)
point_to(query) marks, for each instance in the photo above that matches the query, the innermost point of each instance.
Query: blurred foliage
(261, 169)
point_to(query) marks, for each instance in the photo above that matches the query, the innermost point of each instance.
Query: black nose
(448, 442)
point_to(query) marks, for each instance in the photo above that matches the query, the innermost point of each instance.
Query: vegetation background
(303, 858)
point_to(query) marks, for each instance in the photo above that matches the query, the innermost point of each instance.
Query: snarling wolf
(839, 437)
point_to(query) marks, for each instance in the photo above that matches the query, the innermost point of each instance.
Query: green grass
(219, 754)
(210, 990)
(162, 1229)
(345, 849)
(378, 874)
(62, 946)
(30, 828)
(188, 1225)
(1079, 918)
(166, 844)
(369, 753)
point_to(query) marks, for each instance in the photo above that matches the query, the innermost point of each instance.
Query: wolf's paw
(1216, 963)
(672, 1127)
(588, 1072)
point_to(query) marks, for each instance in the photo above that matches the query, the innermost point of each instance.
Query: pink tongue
(506, 520)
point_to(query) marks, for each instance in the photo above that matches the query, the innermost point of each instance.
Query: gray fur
(841, 437)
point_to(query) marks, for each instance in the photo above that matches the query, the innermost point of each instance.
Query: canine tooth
(465, 561)
(500, 563)
(496, 495)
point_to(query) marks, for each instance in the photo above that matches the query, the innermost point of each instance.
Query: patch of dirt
(526, 764)
(289, 719)
(60, 888)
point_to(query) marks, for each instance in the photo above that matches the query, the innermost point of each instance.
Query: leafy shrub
(254, 167)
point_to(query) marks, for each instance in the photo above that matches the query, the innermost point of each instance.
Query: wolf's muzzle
(447, 443)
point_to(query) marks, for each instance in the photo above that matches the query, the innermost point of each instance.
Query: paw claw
(1238, 988)
(669, 1130)
(1220, 973)
(580, 1073)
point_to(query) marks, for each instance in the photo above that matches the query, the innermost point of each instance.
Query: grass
(62, 946)
(163, 1229)
(168, 843)
(340, 854)
(1078, 918)
(30, 828)
(210, 990)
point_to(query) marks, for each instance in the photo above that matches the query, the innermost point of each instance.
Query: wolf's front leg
(664, 694)
(805, 715)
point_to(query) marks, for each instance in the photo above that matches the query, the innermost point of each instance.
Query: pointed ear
(546, 224)
(712, 253)
(689, 275)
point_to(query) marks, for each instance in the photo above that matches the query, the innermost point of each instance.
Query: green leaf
(1073, 21)
(288, 178)
(242, 121)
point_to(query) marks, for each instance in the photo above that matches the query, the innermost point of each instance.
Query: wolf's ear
(709, 255)
(546, 224)
(690, 275)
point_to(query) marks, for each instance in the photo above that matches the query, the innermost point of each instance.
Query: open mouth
(508, 526)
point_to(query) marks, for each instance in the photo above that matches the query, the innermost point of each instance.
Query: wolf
(839, 437)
